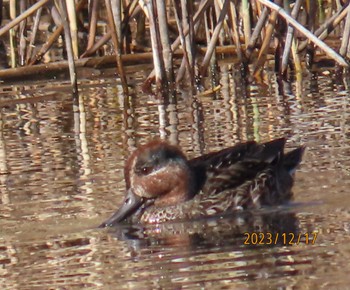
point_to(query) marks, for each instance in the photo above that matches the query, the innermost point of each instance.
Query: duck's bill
(130, 204)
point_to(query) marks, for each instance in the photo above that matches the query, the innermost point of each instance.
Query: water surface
(61, 175)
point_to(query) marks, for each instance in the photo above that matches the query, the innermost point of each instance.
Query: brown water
(61, 174)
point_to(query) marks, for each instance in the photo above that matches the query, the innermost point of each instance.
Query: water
(61, 175)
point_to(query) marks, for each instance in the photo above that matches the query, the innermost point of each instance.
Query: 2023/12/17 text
(260, 238)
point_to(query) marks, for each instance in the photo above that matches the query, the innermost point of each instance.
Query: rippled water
(61, 175)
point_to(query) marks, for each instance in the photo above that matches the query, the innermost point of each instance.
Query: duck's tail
(292, 159)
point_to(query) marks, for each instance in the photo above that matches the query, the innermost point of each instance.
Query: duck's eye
(143, 170)
(146, 170)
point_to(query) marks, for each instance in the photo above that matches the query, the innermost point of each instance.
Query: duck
(163, 185)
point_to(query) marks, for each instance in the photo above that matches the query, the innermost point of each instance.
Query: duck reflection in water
(211, 233)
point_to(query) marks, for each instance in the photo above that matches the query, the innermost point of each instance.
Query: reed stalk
(33, 35)
(187, 21)
(213, 63)
(235, 33)
(296, 58)
(141, 29)
(133, 9)
(13, 43)
(156, 49)
(326, 28)
(257, 32)
(116, 6)
(54, 36)
(23, 16)
(1, 3)
(289, 37)
(194, 68)
(212, 44)
(56, 16)
(95, 63)
(186, 57)
(3, 55)
(93, 6)
(201, 9)
(223, 20)
(164, 40)
(209, 23)
(246, 20)
(117, 50)
(47, 45)
(103, 40)
(329, 51)
(22, 34)
(344, 48)
(190, 38)
(259, 63)
(92, 48)
(311, 8)
(218, 6)
(68, 41)
(72, 17)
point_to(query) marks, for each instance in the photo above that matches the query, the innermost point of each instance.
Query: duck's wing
(233, 166)
(222, 157)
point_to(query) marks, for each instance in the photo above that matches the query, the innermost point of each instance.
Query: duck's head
(156, 174)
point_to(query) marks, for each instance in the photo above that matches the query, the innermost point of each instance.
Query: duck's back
(251, 173)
